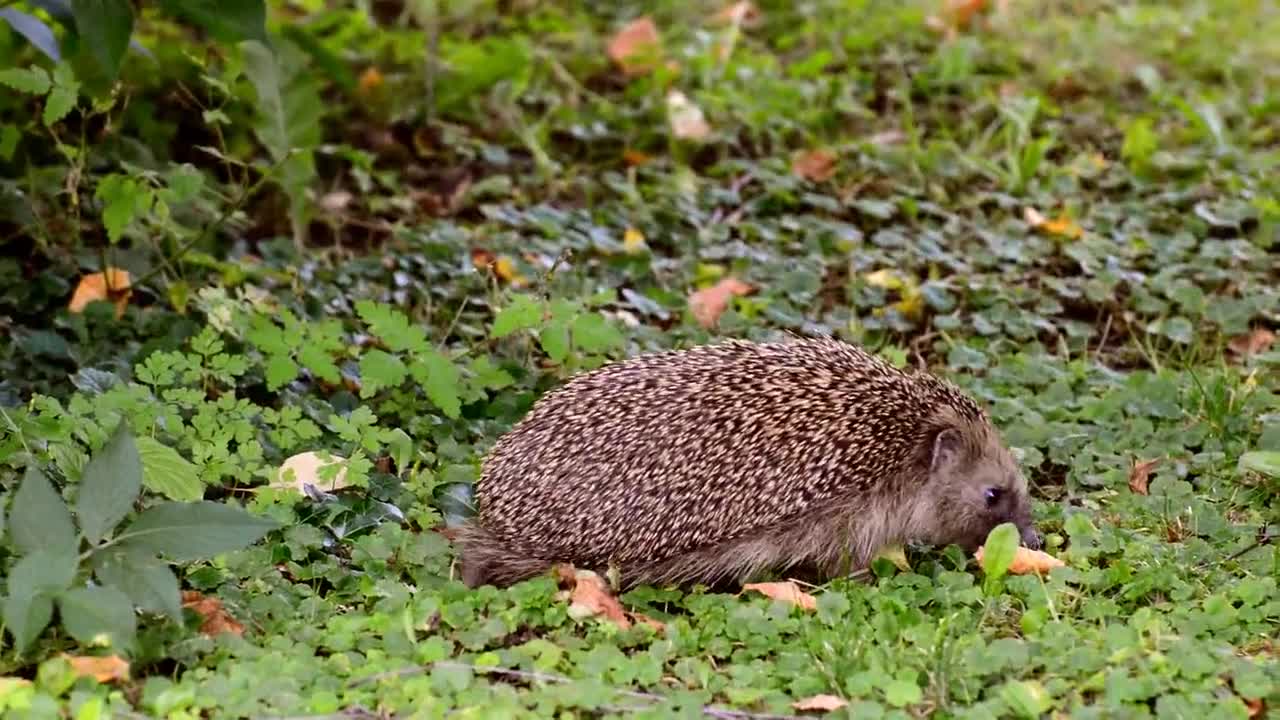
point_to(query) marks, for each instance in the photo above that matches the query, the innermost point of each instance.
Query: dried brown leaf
(1140, 475)
(816, 165)
(112, 285)
(215, 617)
(636, 47)
(589, 596)
(708, 304)
(740, 13)
(104, 669)
(824, 703)
(787, 592)
(1257, 341)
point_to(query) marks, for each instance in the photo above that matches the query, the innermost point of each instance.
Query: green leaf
(523, 312)
(281, 370)
(194, 531)
(1263, 462)
(166, 472)
(10, 136)
(109, 485)
(399, 445)
(148, 582)
(593, 333)
(319, 362)
(228, 21)
(33, 80)
(440, 379)
(554, 340)
(378, 370)
(393, 327)
(901, 693)
(104, 27)
(1027, 698)
(998, 550)
(39, 518)
(123, 200)
(60, 102)
(98, 616)
(26, 616)
(32, 583)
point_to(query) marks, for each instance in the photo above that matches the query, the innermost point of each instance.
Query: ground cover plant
(275, 276)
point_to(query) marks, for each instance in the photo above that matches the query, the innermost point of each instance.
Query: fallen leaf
(955, 15)
(884, 278)
(1255, 706)
(642, 618)
(215, 617)
(1140, 474)
(634, 158)
(1062, 225)
(336, 201)
(825, 703)
(370, 80)
(589, 596)
(505, 268)
(104, 669)
(632, 240)
(636, 47)
(482, 259)
(896, 554)
(1033, 217)
(708, 304)
(911, 300)
(304, 468)
(686, 118)
(1257, 341)
(113, 285)
(888, 137)
(739, 13)
(1026, 560)
(816, 165)
(787, 592)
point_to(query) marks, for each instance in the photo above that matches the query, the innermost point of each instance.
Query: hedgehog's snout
(1030, 538)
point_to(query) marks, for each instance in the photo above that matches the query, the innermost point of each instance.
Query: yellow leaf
(883, 279)
(896, 554)
(633, 240)
(505, 268)
(103, 669)
(1062, 225)
(787, 592)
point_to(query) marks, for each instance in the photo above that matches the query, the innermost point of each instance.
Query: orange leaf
(825, 703)
(634, 158)
(815, 165)
(216, 619)
(1026, 560)
(635, 47)
(1062, 225)
(111, 285)
(1257, 341)
(370, 80)
(482, 259)
(590, 596)
(103, 669)
(1140, 473)
(708, 304)
(1255, 706)
(739, 13)
(786, 592)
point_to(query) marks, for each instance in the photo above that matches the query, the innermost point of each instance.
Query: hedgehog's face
(977, 485)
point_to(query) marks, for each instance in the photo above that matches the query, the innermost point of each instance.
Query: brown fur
(719, 463)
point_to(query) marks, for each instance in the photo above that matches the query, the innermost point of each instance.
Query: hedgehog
(726, 461)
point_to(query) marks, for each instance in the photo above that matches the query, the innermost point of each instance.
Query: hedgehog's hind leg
(486, 559)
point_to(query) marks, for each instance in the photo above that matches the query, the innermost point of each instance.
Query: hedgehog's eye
(993, 495)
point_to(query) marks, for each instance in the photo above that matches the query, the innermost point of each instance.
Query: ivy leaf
(109, 485)
(378, 370)
(104, 27)
(522, 313)
(440, 379)
(148, 582)
(228, 21)
(193, 531)
(32, 583)
(92, 614)
(39, 518)
(33, 80)
(166, 472)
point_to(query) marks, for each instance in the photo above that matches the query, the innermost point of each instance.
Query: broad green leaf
(440, 379)
(1027, 698)
(35, 30)
(58, 104)
(998, 551)
(109, 485)
(319, 362)
(554, 340)
(104, 27)
(393, 327)
(593, 333)
(26, 616)
(281, 370)
(524, 312)
(31, 585)
(194, 531)
(98, 616)
(33, 80)
(10, 136)
(226, 20)
(166, 472)
(148, 582)
(1263, 462)
(123, 200)
(399, 445)
(39, 519)
(378, 370)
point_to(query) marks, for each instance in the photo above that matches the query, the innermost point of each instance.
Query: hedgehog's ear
(947, 446)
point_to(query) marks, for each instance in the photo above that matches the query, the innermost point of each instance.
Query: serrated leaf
(104, 27)
(194, 531)
(999, 549)
(109, 485)
(148, 582)
(318, 361)
(393, 327)
(399, 446)
(440, 379)
(26, 616)
(40, 519)
(33, 80)
(523, 313)
(43, 571)
(123, 200)
(554, 340)
(228, 21)
(378, 370)
(35, 30)
(58, 104)
(281, 370)
(166, 472)
(593, 333)
(98, 616)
